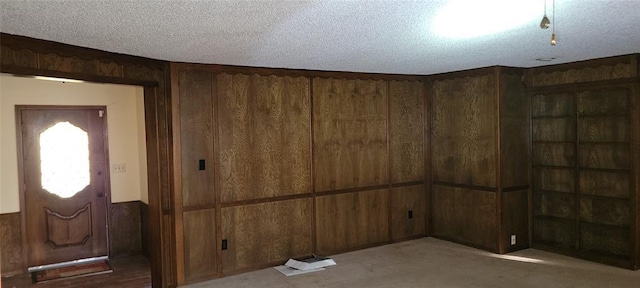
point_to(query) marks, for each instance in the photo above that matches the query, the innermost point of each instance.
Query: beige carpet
(429, 262)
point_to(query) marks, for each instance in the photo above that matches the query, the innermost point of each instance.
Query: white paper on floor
(297, 267)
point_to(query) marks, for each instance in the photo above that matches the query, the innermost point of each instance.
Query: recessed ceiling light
(546, 59)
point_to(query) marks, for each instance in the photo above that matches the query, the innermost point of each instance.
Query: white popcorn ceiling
(362, 36)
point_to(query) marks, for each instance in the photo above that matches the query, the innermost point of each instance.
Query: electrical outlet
(513, 239)
(410, 214)
(119, 168)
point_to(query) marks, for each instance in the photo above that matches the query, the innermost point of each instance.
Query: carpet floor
(429, 262)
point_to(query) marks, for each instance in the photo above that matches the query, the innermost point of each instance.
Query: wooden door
(65, 182)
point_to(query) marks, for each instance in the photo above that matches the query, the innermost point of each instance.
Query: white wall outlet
(119, 168)
(513, 239)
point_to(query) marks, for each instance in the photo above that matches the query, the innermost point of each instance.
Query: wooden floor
(127, 272)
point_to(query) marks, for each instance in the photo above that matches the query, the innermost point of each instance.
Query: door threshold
(66, 264)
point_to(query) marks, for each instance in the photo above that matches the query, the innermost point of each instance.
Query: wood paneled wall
(361, 145)
(263, 126)
(11, 260)
(585, 159)
(349, 133)
(29, 57)
(295, 165)
(480, 158)
(266, 233)
(125, 233)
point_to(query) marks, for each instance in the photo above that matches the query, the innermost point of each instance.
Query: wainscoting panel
(11, 244)
(266, 234)
(351, 221)
(125, 233)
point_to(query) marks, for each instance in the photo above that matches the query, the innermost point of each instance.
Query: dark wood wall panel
(196, 137)
(56, 62)
(125, 230)
(606, 156)
(261, 235)
(604, 102)
(556, 233)
(554, 129)
(199, 245)
(463, 130)
(144, 229)
(554, 154)
(351, 220)
(614, 129)
(590, 71)
(11, 244)
(464, 215)
(403, 200)
(406, 131)
(515, 219)
(350, 133)
(606, 240)
(264, 136)
(560, 205)
(606, 211)
(18, 57)
(554, 104)
(554, 179)
(610, 184)
(514, 131)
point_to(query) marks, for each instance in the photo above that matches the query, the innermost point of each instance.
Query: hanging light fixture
(553, 32)
(544, 24)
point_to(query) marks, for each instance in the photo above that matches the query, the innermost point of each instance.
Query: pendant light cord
(554, 15)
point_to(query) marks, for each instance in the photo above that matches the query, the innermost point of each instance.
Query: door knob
(100, 195)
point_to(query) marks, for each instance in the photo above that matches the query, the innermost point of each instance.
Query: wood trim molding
(282, 72)
(26, 72)
(67, 50)
(465, 186)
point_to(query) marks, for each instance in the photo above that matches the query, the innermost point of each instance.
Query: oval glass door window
(64, 159)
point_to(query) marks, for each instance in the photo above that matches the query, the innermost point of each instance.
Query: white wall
(125, 124)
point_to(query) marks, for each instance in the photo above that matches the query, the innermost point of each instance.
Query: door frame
(21, 183)
(161, 243)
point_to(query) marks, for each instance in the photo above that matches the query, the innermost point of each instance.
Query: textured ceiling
(364, 36)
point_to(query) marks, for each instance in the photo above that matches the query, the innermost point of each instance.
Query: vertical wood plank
(125, 234)
(350, 133)
(466, 216)
(405, 199)
(11, 244)
(514, 127)
(406, 128)
(351, 221)
(264, 234)
(515, 220)
(463, 130)
(263, 136)
(196, 137)
(199, 245)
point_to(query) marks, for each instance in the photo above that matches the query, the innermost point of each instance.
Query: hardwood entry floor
(134, 272)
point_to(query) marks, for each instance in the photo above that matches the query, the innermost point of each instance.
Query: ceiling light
(472, 18)
(546, 59)
(544, 24)
(553, 33)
